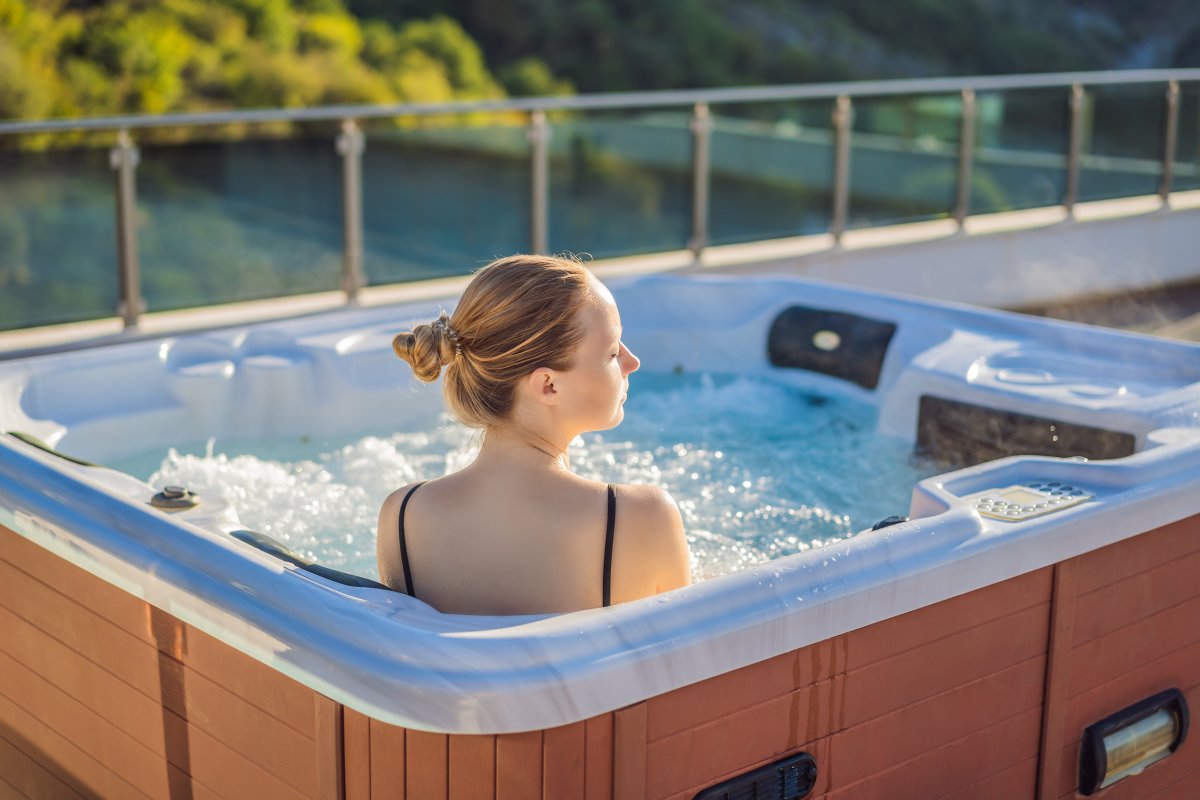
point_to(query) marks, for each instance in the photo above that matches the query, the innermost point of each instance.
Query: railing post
(966, 155)
(701, 166)
(124, 158)
(842, 115)
(1170, 132)
(350, 145)
(539, 183)
(1074, 145)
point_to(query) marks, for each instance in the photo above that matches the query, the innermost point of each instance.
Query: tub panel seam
(1060, 632)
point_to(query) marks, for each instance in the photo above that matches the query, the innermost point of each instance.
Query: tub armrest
(272, 547)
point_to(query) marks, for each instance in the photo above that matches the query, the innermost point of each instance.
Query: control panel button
(1025, 501)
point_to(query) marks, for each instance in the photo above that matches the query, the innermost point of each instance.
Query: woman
(534, 357)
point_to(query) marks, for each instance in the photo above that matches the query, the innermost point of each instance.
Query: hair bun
(428, 348)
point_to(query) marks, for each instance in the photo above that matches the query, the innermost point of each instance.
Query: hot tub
(960, 653)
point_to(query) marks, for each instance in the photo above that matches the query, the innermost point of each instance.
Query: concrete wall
(1010, 260)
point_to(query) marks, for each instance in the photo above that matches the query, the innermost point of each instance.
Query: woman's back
(525, 544)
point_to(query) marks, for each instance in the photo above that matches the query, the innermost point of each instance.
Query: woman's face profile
(594, 389)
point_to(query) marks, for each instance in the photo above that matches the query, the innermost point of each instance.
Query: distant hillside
(63, 58)
(608, 45)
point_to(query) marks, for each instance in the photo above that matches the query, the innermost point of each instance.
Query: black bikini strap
(408, 584)
(608, 545)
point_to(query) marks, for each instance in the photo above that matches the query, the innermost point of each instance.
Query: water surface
(760, 470)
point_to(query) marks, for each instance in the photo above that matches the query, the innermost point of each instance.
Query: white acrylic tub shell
(399, 661)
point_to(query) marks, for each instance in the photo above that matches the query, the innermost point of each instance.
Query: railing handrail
(613, 100)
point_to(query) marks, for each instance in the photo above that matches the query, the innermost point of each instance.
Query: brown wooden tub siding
(102, 695)
(1115, 659)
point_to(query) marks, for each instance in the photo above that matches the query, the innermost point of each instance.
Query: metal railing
(350, 145)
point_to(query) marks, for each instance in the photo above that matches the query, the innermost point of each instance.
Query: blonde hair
(518, 313)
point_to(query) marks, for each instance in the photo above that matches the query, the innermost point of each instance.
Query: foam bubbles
(319, 498)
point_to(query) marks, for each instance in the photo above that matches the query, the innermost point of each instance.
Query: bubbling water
(760, 471)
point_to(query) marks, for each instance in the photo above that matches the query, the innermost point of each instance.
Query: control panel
(1028, 500)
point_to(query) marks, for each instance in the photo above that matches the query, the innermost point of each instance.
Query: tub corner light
(1125, 743)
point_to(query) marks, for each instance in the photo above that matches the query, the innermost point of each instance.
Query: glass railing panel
(1020, 157)
(1121, 149)
(1187, 146)
(57, 235)
(230, 219)
(903, 158)
(620, 182)
(443, 196)
(772, 170)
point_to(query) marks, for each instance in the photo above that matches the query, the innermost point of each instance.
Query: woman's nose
(632, 362)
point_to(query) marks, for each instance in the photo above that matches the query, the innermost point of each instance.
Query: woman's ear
(541, 386)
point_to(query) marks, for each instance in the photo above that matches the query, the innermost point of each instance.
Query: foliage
(84, 57)
(530, 77)
(77, 58)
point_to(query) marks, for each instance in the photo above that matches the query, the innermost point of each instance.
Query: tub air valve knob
(175, 498)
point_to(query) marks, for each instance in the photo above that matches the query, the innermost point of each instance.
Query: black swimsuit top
(608, 544)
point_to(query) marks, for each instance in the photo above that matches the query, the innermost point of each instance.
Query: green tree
(81, 57)
(271, 22)
(530, 77)
(146, 54)
(444, 41)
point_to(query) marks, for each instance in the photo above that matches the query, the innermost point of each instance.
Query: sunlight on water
(760, 471)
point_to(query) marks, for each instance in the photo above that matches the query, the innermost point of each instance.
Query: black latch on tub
(835, 343)
(787, 779)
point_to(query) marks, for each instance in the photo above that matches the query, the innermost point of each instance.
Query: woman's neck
(513, 445)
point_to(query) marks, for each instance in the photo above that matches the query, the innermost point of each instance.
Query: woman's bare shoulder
(655, 556)
(650, 504)
(387, 538)
(390, 510)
